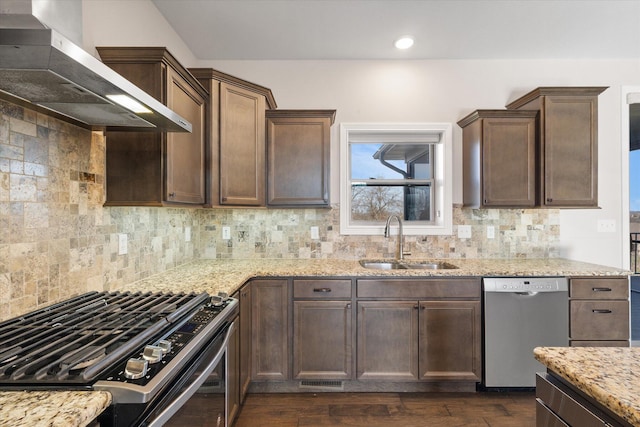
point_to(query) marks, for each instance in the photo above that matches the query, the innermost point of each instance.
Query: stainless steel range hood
(40, 65)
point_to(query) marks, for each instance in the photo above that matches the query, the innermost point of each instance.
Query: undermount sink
(406, 265)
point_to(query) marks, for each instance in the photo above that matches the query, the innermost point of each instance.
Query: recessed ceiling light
(404, 42)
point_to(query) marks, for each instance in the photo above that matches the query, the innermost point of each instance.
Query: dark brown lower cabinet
(269, 330)
(244, 296)
(419, 340)
(322, 340)
(599, 311)
(387, 340)
(450, 341)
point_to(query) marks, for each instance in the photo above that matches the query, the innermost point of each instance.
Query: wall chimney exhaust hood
(41, 66)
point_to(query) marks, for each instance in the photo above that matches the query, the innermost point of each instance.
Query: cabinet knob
(549, 199)
(348, 306)
(172, 195)
(224, 199)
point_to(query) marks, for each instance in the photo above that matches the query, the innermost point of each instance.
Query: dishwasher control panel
(525, 284)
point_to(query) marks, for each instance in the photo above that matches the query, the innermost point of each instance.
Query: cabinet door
(570, 151)
(185, 151)
(322, 340)
(387, 340)
(242, 146)
(245, 340)
(508, 162)
(269, 330)
(298, 160)
(450, 342)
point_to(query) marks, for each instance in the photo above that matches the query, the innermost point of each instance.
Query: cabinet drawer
(609, 288)
(546, 418)
(322, 289)
(568, 405)
(599, 320)
(419, 289)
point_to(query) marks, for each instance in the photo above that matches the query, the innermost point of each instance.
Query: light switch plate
(491, 232)
(464, 231)
(187, 234)
(122, 244)
(315, 233)
(606, 226)
(226, 233)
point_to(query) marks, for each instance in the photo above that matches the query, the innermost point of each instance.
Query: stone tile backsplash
(58, 240)
(285, 233)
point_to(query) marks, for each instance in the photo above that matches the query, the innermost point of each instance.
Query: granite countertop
(607, 374)
(79, 408)
(52, 409)
(215, 276)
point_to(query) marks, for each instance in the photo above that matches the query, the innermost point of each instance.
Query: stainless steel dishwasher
(521, 313)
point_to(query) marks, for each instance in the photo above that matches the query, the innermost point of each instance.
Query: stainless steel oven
(199, 396)
(162, 357)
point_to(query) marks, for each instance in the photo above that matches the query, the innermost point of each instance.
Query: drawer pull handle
(601, 311)
(322, 290)
(601, 289)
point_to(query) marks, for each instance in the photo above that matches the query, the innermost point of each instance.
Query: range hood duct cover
(41, 66)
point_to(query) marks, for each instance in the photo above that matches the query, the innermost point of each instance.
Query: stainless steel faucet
(400, 242)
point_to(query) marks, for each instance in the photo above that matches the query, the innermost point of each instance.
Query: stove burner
(74, 341)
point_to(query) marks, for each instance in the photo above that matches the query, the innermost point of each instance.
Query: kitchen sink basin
(382, 265)
(406, 265)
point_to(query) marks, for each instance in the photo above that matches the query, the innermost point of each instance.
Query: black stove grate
(73, 342)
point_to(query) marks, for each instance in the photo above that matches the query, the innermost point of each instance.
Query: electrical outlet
(464, 231)
(122, 244)
(187, 234)
(606, 226)
(315, 233)
(491, 232)
(226, 233)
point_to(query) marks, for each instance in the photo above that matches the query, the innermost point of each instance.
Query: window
(395, 169)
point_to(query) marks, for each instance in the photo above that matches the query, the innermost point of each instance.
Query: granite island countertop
(607, 374)
(72, 409)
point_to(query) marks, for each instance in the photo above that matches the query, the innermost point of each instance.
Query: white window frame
(442, 224)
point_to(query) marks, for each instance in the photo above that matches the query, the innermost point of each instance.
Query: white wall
(129, 23)
(424, 90)
(447, 91)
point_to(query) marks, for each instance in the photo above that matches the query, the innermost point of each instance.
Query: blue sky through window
(364, 166)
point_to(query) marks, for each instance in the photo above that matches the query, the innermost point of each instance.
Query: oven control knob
(135, 368)
(165, 345)
(152, 354)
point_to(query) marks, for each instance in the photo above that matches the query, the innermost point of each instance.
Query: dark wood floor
(515, 409)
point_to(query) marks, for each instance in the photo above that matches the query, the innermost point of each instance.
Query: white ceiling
(443, 29)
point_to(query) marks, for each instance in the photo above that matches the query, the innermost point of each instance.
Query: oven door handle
(181, 399)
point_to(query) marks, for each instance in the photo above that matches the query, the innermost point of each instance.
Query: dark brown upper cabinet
(567, 143)
(499, 158)
(157, 169)
(236, 148)
(298, 146)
